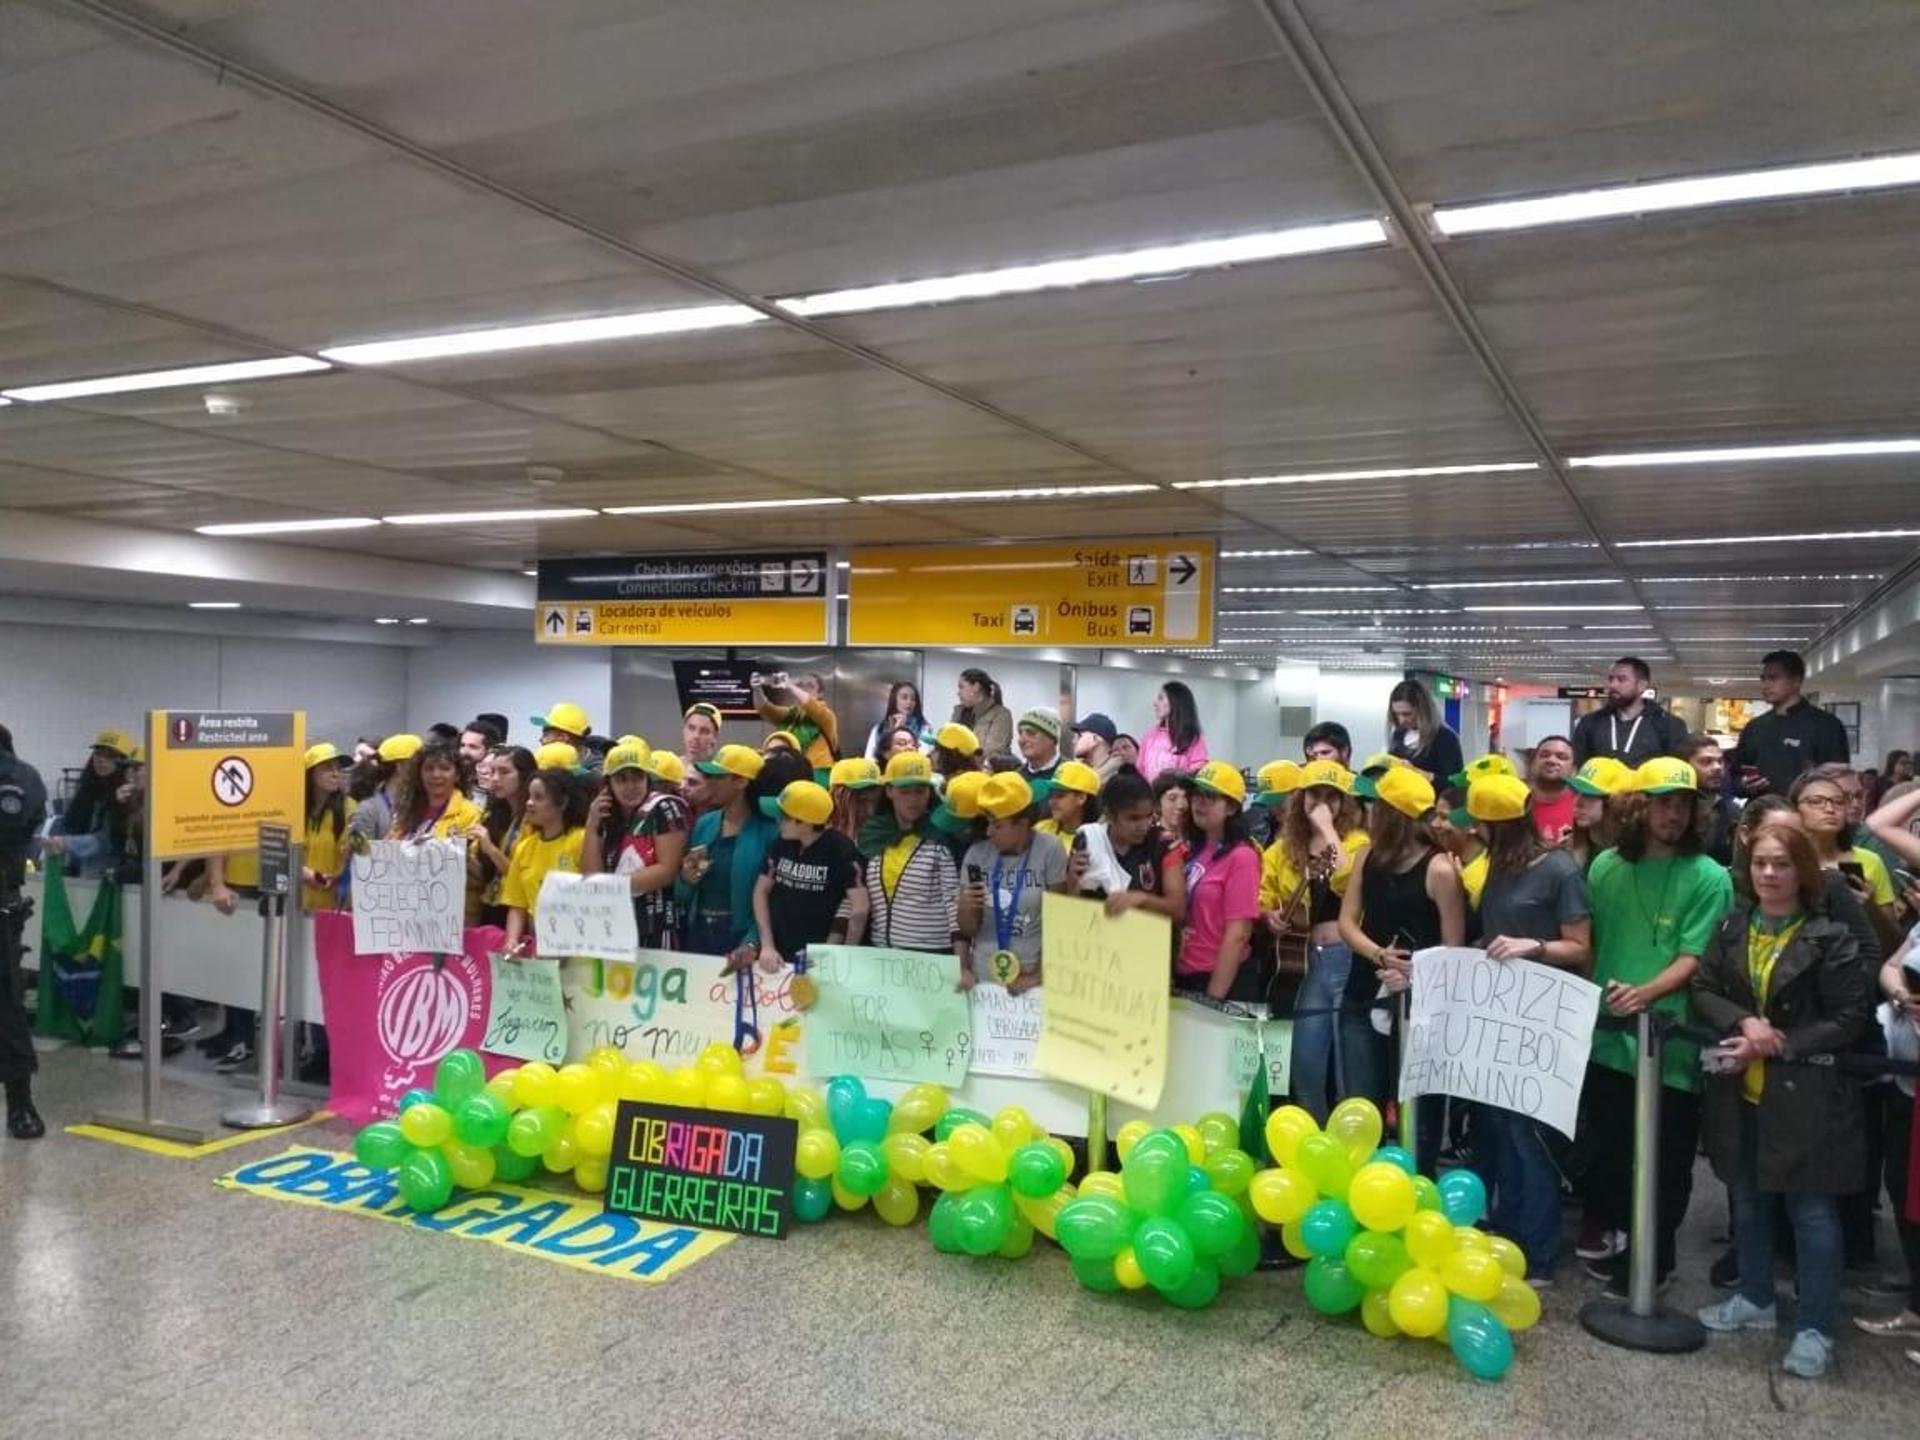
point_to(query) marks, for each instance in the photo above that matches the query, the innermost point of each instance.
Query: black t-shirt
(1783, 744)
(1146, 862)
(808, 886)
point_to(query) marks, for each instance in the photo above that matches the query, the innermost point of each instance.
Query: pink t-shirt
(1220, 890)
(1157, 753)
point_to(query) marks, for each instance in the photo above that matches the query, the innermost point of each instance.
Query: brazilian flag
(80, 970)
(1257, 1104)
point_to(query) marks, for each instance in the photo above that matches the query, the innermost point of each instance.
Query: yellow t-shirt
(1874, 869)
(893, 862)
(460, 814)
(326, 854)
(533, 857)
(1052, 827)
(243, 870)
(1279, 880)
(1473, 878)
(1763, 952)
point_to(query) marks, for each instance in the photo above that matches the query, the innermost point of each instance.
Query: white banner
(667, 1006)
(590, 915)
(410, 896)
(1508, 1033)
(1006, 1028)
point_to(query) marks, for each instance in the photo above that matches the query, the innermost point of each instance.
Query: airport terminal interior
(1438, 464)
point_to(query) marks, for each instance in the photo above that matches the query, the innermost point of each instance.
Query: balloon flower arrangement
(1175, 1217)
(468, 1131)
(1384, 1240)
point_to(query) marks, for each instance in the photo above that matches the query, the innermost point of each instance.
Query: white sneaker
(1809, 1355)
(1737, 1312)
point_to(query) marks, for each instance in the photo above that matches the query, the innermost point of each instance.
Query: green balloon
(381, 1146)
(1231, 1171)
(985, 1218)
(1157, 1142)
(812, 1199)
(1018, 1242)
(510, 1165)
(426, 1181)
(1201, 1287)
(1154, 1181)
(954, 1119)
(1096, 1275)
(1426, 1194)
(1323, 1160)
(1377, 1259)
(1244, 1257)
(1093, 1227)
(531, 1131)
(1036, 1171)
(1212, 1221)
(1331, 1288)
(943, 1223)
(460, 1074)
(863, 1167)
(1165, 1252)
(482, 1119)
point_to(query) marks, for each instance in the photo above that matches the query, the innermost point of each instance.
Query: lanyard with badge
(1004, 967)
(1613, 732)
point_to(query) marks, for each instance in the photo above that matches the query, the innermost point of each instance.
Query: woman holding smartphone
(637, 827)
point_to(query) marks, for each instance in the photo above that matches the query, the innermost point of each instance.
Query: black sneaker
(1725, 1272)
(23, 1121)
(1618, 1282)
(240, 1056)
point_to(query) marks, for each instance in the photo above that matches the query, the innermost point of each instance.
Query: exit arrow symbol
(1182, 568)
(556, 622)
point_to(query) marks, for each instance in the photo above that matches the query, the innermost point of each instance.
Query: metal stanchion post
(269, 1107)
(1640, 1322)
(1403, 1013)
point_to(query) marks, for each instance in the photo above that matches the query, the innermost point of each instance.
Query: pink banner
(391, 1018)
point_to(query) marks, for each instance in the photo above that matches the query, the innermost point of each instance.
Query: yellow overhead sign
(691, 600)
(215, 776)
(1112, 594)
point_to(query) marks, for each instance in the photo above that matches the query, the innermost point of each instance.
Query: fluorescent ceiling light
(489, 517)
(1442, 611)
(1305, 589)
(557, 332)
(1755, 579)
(165, 379)
(1782, 539)
(213, 604)
(1768, 605)
(698, 506)
(420, 620)
(288, 527)
(1799, 180)
(1260, 554)
(1543, 609)
(386, 620)
(1047, 492)
(1093, 269)
(531, 574)
(1322, 477)
(1514, 584)
(1736, 454)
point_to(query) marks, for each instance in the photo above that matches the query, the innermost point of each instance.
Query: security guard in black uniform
(23, 806)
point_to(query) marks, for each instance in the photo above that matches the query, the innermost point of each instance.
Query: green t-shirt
(1645, 913)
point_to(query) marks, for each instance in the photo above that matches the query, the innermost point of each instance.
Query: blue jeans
(1817, 1246)
(1334, 1056)
(1512, 1156)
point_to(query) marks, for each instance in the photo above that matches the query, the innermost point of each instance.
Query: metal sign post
(269, 1107)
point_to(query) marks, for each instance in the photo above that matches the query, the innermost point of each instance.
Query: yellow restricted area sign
(692, 600)
(1115, 594)
(216, 776)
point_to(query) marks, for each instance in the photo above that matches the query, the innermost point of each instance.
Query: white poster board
(1006, 1028)
(590, 915)
(410, 895)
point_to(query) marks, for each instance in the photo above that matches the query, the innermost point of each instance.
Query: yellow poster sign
(1109, 594)
(1104, 1024)
(215, 776)
(682, 622)
(757, 598)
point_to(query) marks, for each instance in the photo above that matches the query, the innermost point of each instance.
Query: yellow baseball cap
(118, 741)
(736, 760)
(396, 748)
(665, 766)
(1664, 775)
(1077, 776)
(556, 755)
(566, 716)
(1484, 766)
(910, 770)
(963, 794)
(1379, 762)
(803, 801)
(321, 754)
(958, 738)
(1006, 796)
(1277, 780)
(632, 741)
(624, 757)
(1602, 775)
(138, 755)
(1330, 773)
(1405, 789)
(1498, 797)
(785, 737)
(702, 707)
(1217, 777)
(854, 773)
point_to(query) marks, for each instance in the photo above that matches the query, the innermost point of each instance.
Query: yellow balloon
(1472, 1275)
(687, 1087)
(1130, 1135)
(1417, 1303)
(608, 1058)
(765, 1096)
(1286, 1128)
(1381, 1196)
(1471, 1237)
(425, 1125)
(1062, 1149)
(1282, 1196)
(1295, 1243)
(1219, 1130)
(719, 1058)
(845, 1198)
(1196, 1147)
(1376, 1313)
(1012, 1127)
(1041, 1213)
(1104, 1182)
(1126, 1269)
(1512, 1258)
(472, 1165)
(808, 1106)
(978, 1154)
(1517, 1306)
(593, 1132)
(643, 1080)
(726, 1092)
(561, 1154)
(918, 1110)
(534, 1085)
(590, 1174)
(942, 1170)
(575, 1089)
(816, 1154)
(907, 1157)
(897, 1202)
(1355, 1123)
(1429, 1237)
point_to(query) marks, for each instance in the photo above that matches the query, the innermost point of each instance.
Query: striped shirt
(920, 913)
